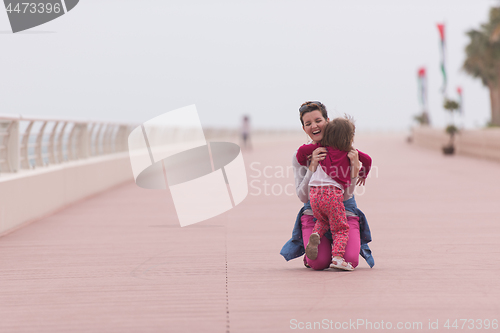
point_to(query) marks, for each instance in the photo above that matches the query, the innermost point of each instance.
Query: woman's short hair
(339, 133)
(312, 106)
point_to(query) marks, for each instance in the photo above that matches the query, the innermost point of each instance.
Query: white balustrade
(32, 142)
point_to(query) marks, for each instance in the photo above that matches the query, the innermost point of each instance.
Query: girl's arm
(366, 160)
(354, 158)
(304, 152)
(303, 173)
(319, 154)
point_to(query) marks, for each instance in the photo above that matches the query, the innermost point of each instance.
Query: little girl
(327, 185)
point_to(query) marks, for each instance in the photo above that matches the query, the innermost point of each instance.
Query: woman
(313, 116)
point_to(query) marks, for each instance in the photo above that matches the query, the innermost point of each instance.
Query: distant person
(245, 133)
(327, 186)
(314, 117)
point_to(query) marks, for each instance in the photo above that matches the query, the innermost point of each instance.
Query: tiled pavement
(119, 262)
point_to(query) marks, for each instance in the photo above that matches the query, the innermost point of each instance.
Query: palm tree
(483, 59)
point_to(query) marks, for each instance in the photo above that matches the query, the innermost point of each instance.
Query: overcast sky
(133, 60)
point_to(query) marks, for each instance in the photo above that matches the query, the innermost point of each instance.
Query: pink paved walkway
(119, 262)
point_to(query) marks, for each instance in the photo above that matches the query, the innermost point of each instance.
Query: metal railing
(31, 142)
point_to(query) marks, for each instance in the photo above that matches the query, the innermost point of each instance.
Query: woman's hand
(361, 181)
(353, 156)
(319, 154)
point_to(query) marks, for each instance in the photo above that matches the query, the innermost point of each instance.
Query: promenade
(119, 261)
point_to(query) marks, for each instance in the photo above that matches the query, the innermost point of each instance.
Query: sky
(129, 61)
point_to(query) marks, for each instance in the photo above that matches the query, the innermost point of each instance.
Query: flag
(422, 87)
(459, 91)
(443, 64)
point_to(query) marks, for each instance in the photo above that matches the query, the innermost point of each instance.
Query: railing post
(52, 144)
(98, 142)
(60, 143)
(90, 135)
(106, 139)
(13, 147)
(123, 138)
(70, 148)
(24, 155)
(39, 146)
(83, 141)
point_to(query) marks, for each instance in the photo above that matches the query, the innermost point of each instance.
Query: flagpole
(422, 94)
(442, 35)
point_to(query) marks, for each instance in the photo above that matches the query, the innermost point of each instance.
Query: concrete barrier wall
(483, 143)
(31, 194)
(28, 195)
(429, 137)
(480, 143)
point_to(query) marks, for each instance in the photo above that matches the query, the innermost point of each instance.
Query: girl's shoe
(340, 263)
(312, 246)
